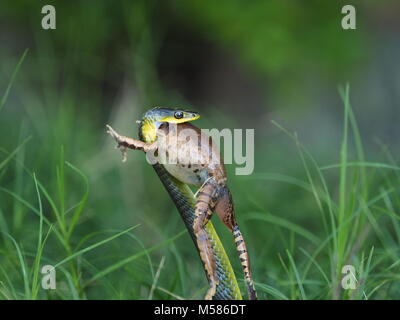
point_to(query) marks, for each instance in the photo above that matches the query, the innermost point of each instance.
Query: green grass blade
(24, 268)
(283, 223)
(13, 153)
(78, 211)
(343, 233)
(35, 282)
(297, 275)
(94, 246)
(12, 79)
(127, 260)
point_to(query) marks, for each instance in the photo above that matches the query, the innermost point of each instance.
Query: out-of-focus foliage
(241, 64)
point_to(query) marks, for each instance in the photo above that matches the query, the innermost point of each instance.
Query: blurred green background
(241, 64)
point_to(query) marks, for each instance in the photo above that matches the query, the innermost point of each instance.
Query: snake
(179, 159)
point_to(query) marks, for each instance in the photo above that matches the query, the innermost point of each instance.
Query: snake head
(171, 115)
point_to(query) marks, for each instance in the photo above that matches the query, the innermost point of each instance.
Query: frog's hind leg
(225, 211)
(205, 205)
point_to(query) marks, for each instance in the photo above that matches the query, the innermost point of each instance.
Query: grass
(111, 233)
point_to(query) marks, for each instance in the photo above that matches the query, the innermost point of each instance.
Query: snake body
(184, 200)
(197, 168)
(215, 194)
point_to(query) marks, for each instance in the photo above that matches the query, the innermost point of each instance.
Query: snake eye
(178, 115)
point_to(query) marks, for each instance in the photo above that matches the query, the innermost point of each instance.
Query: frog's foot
(212, 291)
(113, 133)
(120, 142)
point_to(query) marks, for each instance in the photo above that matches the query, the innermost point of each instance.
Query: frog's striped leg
(225, 211)
(245, 261)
